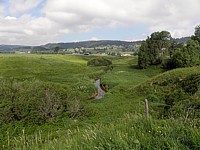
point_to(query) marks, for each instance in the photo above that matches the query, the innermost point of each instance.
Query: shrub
(153, 98)
(177, 91)
(36, 102)
(99, 62)
(191, 84)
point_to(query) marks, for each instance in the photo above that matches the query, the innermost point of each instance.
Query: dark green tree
(174, 47)
(155, 48)
(176, 61)
(143, 58)
(196, 35)
(186, 56)
(191, 53)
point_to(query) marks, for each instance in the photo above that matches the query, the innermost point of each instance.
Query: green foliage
(153, 49)
(196, 35)
(159, 46)
(178, 92)
(176, 61)
(101, 61)
(143, 58)
(191, 84)
(184, 57)
(115, 122)
(130, 132)
(36, 101)
(153, 98)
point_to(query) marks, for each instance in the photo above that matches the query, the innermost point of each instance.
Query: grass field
(115, 122)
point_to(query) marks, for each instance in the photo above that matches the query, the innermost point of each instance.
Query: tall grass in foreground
(131, 132)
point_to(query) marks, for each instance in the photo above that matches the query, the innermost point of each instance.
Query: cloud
(61, 18)
(10, 18)
(27, 30)
(174, 15)
(181, 19)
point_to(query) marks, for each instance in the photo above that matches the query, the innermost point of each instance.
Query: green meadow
(44, 103)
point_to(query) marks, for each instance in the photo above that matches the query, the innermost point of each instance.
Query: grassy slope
(45, 67)
(115, 122)
(119, 100)
(119, 120)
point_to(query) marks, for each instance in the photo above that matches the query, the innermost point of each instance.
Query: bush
(153, 98)
(191, 84)
(177, 61)
(99, 62)
(36, 102)
(177, 91)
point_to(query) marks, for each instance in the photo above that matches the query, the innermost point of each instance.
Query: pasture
(115, 122)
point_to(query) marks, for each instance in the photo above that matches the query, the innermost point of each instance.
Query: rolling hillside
(85, 44)
(57, 88)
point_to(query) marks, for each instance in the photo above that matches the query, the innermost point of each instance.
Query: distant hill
(90, 44)
(93, 44)
(182, 40)
(8, 47)
(85, 44)
(39, 48)
(4, 48)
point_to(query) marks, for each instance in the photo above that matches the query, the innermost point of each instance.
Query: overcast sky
(37, 22)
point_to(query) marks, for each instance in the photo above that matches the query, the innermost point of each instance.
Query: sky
(37, 22)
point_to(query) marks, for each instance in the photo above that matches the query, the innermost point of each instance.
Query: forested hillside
(85, 44)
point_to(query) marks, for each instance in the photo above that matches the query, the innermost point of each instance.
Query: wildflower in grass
(159, 131)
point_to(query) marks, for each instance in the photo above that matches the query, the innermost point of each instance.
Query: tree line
(160, 48)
